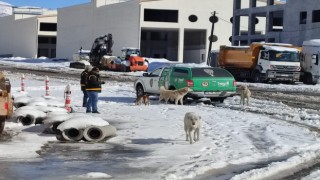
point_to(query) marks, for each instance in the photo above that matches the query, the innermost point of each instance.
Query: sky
(50, 4)
(259, 141)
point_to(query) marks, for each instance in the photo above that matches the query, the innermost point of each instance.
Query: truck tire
(220, 99)
(307, 79)
(2, 123)
(140, 90)
(257, 77)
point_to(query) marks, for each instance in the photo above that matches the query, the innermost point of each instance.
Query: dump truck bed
(241, 57)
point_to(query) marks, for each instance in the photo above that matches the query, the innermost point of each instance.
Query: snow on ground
(265, 140)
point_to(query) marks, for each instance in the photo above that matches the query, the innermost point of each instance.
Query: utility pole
(212, 38)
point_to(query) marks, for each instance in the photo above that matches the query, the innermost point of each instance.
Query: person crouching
(93, 87)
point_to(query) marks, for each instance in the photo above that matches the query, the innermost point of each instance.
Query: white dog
(176, 95)
(245, 94)
(192, 123)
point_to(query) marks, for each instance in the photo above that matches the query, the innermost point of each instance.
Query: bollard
(67, 94)
(47, 86)
(22, 83)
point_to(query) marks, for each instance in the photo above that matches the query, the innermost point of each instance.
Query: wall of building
(122, 21)
(18, 36)
(75, 29)
(203, 11)
(294, 32)
(78, 26)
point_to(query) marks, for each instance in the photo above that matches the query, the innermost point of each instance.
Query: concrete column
(236, 4)
(269, 22)
(253, 3)
(252, 24)
(270, 2)
(235, 29)
(181, 45)
(236, 21)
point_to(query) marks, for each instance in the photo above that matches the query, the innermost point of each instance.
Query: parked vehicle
(80, 59)
(6, 107)
(132, 60)
(310, 67)
(101, 56)
(261, 62)
(206, 82)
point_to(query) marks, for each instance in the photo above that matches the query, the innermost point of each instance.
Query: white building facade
(28, 32)
(174, 29)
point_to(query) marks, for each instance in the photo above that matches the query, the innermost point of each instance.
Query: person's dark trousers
(92, 102)
(85, 98)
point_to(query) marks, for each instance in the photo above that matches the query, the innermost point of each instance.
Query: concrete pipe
(99, 133)
(109, 131)
(93, 134)
(19, 104)
(26, 120)
(59, 136)
(72, 134)
(39, 120)
(54, 126)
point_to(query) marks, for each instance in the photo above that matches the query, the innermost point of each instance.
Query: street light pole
(213, 20)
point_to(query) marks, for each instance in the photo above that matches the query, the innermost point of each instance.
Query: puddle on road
(70, 160)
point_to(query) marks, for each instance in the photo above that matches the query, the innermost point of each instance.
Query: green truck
(206, 82)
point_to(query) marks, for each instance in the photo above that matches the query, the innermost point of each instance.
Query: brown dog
(173, 95)
(144, 98)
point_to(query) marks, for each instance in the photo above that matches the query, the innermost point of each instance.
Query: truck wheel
(2, 122)
(139, 90)
(220, 99)
(307, 79)
(257, 77)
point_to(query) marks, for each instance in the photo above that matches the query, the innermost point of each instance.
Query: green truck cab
(206, 82)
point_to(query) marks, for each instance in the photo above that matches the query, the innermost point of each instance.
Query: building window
(43, 40)
(193, 18)
(43, 52)
(303, 17)
(48, 26)
(143, 35)
(158, 36)
(157, 15)
(316, 16)
(47, 40)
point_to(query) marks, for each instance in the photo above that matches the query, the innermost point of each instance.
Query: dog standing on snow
(173, 95)
(245, 94)
(192, 123)
(144, 98)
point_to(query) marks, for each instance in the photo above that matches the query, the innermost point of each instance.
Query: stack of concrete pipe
(30, 111)
(79, 127)
(90, 134)
(28, 115)
(66, 126)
